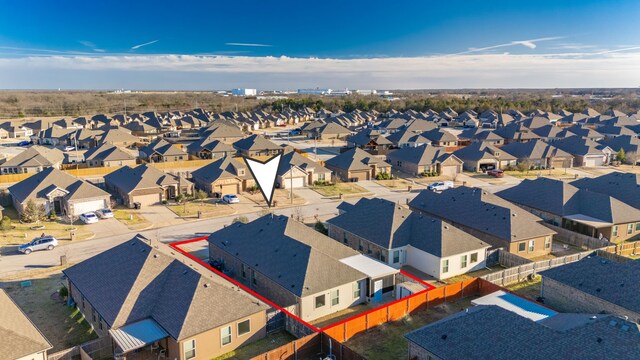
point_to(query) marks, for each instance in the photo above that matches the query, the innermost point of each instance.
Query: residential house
(441, 137)
(371, 141)
(329, 131)
(594, 285)
(33, 160)
(539, 154)
(52, 136)
(356, 164)
(481, 135)
(489, 218)
(620, 185)
(21, 339)
(59, 193)
(483, 156)
(288, 263)
(142, 296)
(108, 155)
(257, 145)
(224, 133)
(297, 171)
(493, 332)
(585, 152)
(146, 185)
(630, 145)
(399, 237)
(210, 149)
(408, 137)
(425, 159)
(579, 210)
(223, 176)
(583, 132)
(550, 132)
(516, 132)
(162, 151)
(118, 137)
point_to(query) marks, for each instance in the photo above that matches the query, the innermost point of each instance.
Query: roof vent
(514, 214)
(613, 323)
(256, 264)
(599, 340)
(444, 337)
(185, 272)
(206, 285)
(156, 256)
(624, 327)
(446, 227)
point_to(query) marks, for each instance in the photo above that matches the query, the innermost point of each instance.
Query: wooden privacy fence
(578, 240)
(183, 164)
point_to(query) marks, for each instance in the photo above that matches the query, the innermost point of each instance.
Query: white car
(104, 213)
(89, 218)
(440, 186)
(230, 199)
(69, 148)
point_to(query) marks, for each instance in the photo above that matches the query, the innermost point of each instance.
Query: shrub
(319, 226)
(240, 219)
(33, 212)
(383, 176)
(53, 216)
(63, 292)
(164, 202)
(5, 223)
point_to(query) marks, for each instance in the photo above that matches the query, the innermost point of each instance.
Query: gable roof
(255, 142)
(107, 152)
(134, 281)
(111, 136)
(481, 150)
(224, 168)
(576, 145)
(420, 155)
(355, 159)
(483, 211)
(143, 176)
(303, 254)
(292, 158)
(40, 184)
(622, 186)
(162, 147)
(36, 156)
(19, 335)
(535, 149)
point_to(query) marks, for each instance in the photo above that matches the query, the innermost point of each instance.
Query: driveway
(160, 215)
(108, 227)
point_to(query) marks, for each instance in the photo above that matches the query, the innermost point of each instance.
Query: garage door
(87, 206)
(590, 162)
(226, 189)
(148, 199)
(449, 171)
(297, 182)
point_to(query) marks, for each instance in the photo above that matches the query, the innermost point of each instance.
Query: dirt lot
(387, 341)
(64, 327)
(271, 342)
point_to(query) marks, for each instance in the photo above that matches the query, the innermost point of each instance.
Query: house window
(521, 246)
(244, 327)
(100, 324)
(638, 226)
(83, 306)
(399, 163)
(335, 297)
(396, 256)
(321, 177)
(356, 290)
(190, 349)
(225, 335)
(532, 245)
(474, 258)
(360, 247)
(445, 266)
(629, 228)
(547, 242)
(93, 315)
(319, 301)
(243, 271)
(344, 238)
(463, 261)
(254, 281)
(383, 257)
(615, 230)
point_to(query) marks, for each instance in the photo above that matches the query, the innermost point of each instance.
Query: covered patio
(142, 340)
(584, 224)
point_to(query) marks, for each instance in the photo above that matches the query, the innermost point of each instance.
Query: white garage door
(87, 206)
(297, 182)
(145, 200)
(593, 161)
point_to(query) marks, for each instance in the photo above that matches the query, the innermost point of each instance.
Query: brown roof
(19, 335)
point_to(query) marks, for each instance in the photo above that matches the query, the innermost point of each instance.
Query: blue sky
(291, 44)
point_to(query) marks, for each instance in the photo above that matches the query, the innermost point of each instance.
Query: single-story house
(224, 133)
(118, 137)
(425, 159)
(145, 184)
(585, 152)
(21, 339)
(537, 153)
(108, 155)
(297, 267)
(356, 164)
(162, 151)
(441, 137)
(299, 171)
(489, 218)
(256, 145)
(224, 176)
(328, 131)
(210, 149)
(371, 141)
(621, 185)
(483, 156)
(141, 296)
(398, 237)
(59, 192)
(33, 160)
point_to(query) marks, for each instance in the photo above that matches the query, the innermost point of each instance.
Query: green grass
(58, 229)
(528, 289)
(340, 188)
(261, 346)
(130, 218)
(190, 209)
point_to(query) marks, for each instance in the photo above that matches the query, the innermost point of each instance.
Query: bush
(33, 212)
(240, 219)
(53, 216)
(319, 226)
(63, 292)
(322, 183)
(383, 176)
(5, 223)
(164, 202)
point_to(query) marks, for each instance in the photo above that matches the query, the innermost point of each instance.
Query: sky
(286, 45)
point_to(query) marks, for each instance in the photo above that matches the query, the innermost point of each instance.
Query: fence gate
(275, 320)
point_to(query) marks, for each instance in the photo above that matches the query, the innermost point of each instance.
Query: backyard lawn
(131, 218)
(22, 233)
(340, 188)
(387, 340)
(190, 209)
(261, 346)
(64, 327)
(528, 289)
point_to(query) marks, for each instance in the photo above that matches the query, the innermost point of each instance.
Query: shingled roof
(107, 152)
(355, 159)
(36, 156)
(19, 335)
(142, 176)
(289, 253)
(421, 155)
(535, 149)
(134, 281)
(482, 211)
(622, 186)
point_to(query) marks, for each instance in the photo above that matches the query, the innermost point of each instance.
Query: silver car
(40, 243)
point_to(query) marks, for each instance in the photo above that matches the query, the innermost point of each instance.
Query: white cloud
(531, 44)
(248, 44)
(145, 44)
(619, 69)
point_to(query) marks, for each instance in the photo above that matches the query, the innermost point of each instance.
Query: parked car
(104, 213)
(24, 143)
(69, 148)
(295, 132)
(496, 173)
(89, 218)
(440, 186)
(230, 199)
(39, 243)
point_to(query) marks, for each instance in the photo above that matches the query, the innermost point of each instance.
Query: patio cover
(516, 304)
(138, 335)
(588, 220)
(373, 268)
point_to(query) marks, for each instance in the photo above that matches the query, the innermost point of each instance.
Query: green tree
(319, 226)
(5, 223)
(621, 156)
(33, 212)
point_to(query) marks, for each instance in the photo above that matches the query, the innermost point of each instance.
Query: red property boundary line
(176, 246)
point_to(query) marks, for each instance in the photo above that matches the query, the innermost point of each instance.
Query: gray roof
(291, 157)
(224, 168)
(420, 155)
(407, 135)
(563, 199)
(576, 145)
(133, 281)
(255, 142)
(36, 156)
(355, 159)
(142, 176)
(42, 183)
(630, 144)
(483, 211)
(481, 150)
(117, 136)
(107, 152)
(290, 253)
(389, 225)
(622, 186)
(19, 335)
(535, 149)
(490, 332)
(611, 281)
(440, 135)
(163, 148)
(367, 136)
(333, 128)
